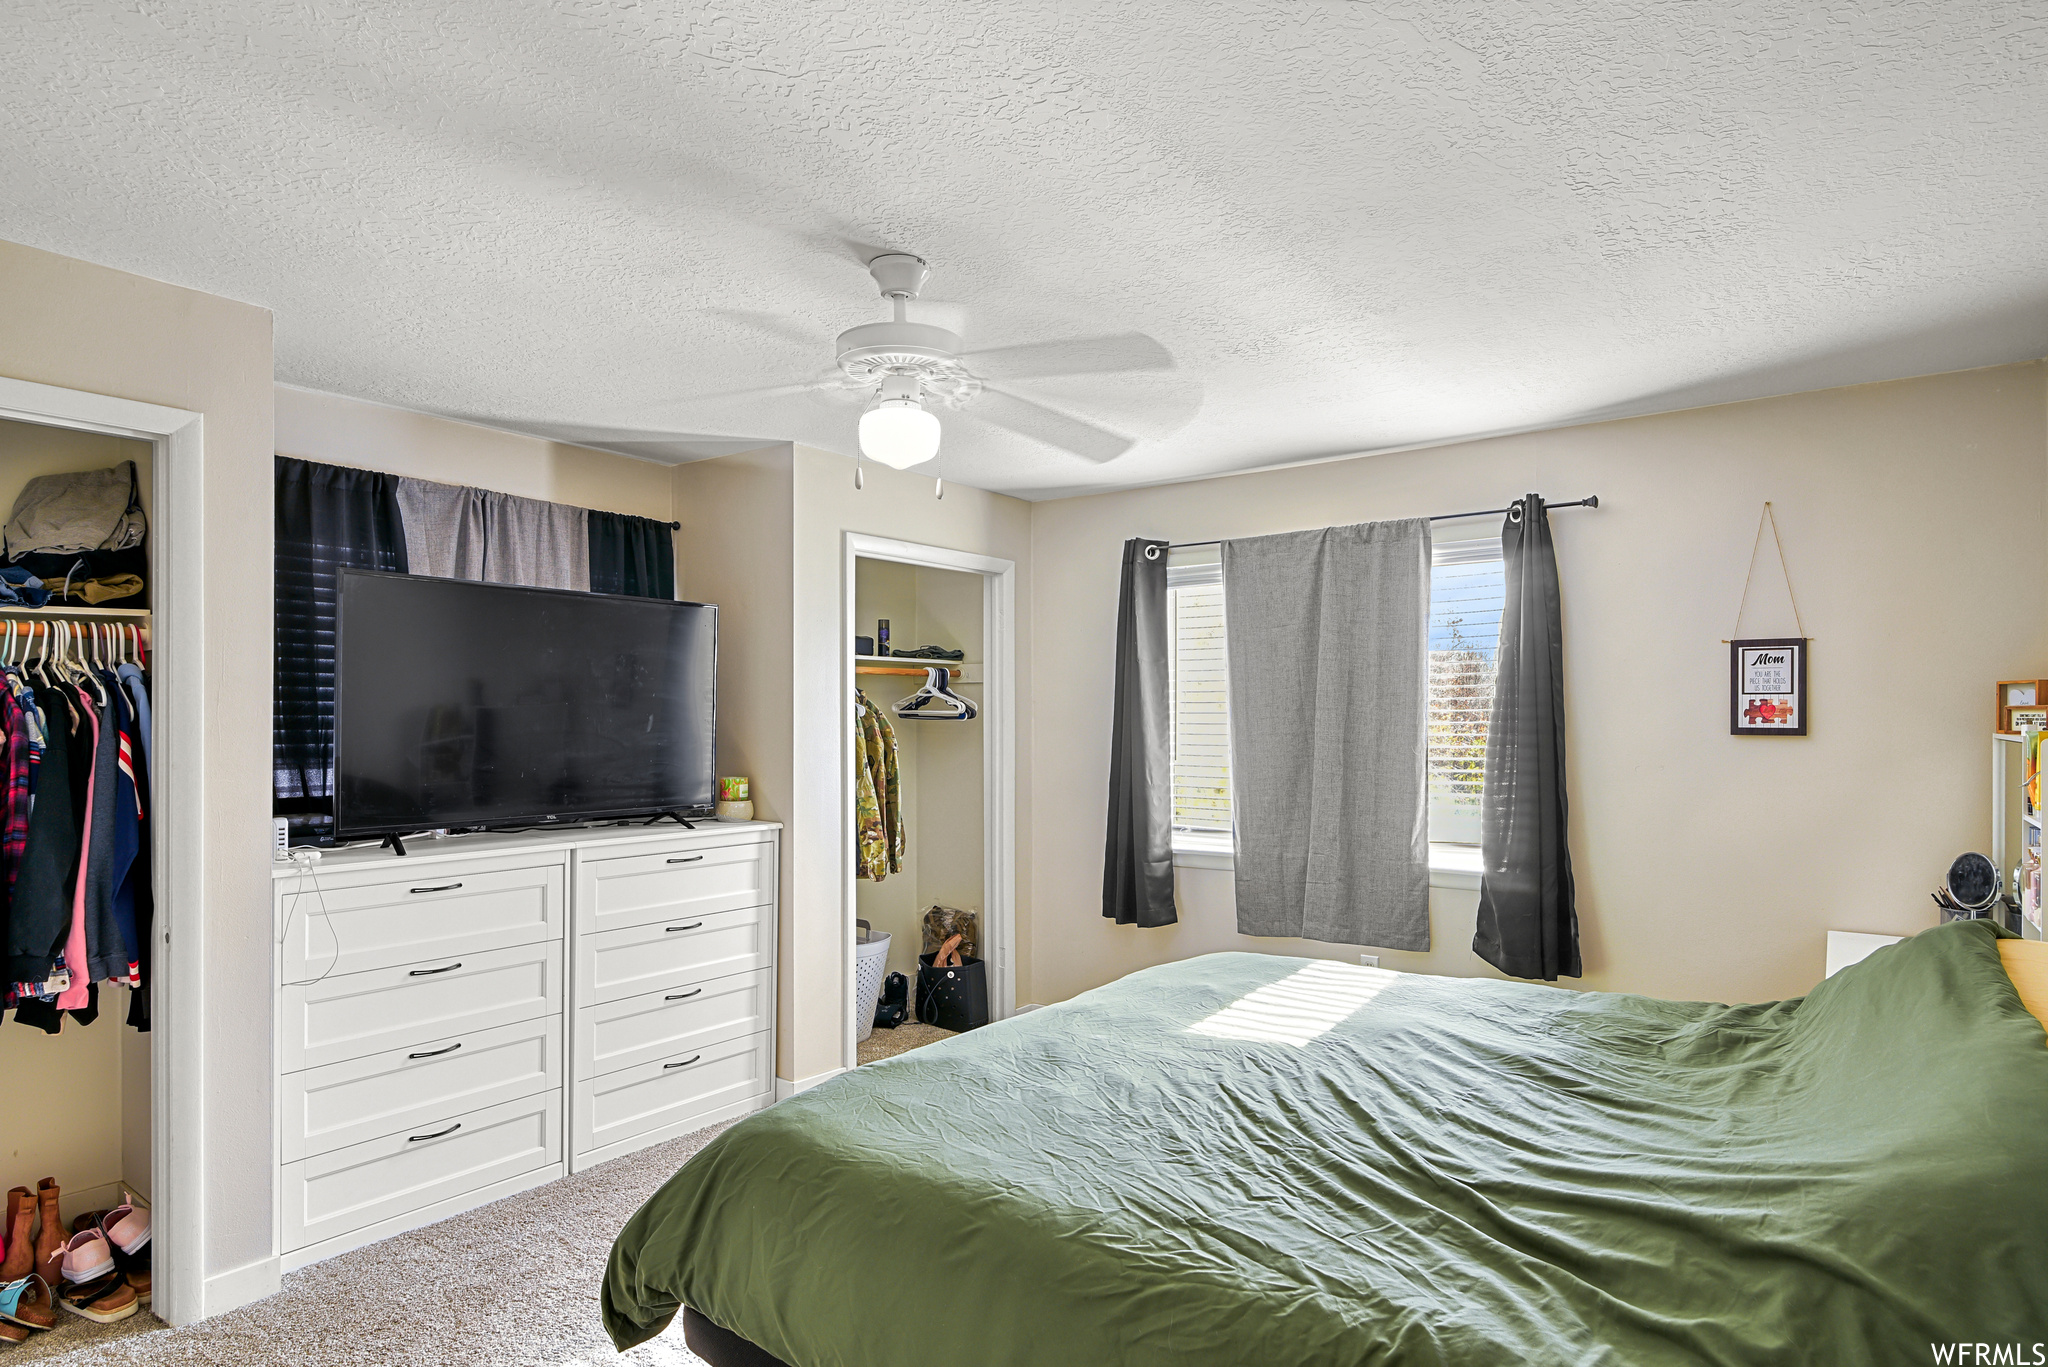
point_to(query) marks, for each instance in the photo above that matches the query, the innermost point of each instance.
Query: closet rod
(1590, 501)
(80, 631)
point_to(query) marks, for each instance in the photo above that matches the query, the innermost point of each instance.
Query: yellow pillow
(2026, 963)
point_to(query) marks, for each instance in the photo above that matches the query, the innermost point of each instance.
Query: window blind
(1201, 701)
(1467, 593)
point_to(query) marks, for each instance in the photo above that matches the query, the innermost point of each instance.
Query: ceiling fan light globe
(899, 434)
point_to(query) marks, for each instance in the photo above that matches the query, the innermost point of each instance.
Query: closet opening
(77, 874)
(930, 739)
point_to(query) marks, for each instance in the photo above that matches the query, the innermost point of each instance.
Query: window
(1466, 595)
(1201, 701)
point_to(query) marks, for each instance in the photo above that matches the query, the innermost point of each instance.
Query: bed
(1246, 1159)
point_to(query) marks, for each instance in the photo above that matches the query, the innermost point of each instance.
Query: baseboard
(77, 1201)
(252, 1282)
(785, 1089)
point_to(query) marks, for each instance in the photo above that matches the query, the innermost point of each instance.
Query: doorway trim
(998, 755)
(178, 681)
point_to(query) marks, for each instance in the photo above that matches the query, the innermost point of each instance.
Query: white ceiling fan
(905, 369)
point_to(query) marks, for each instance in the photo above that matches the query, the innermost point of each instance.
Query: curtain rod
(1514, 511)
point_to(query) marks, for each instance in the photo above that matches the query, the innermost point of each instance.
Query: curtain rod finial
(1592, 500)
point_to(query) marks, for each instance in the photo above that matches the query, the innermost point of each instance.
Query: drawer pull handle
(681, 995)
(440, 887)
(687, 859)
(673, 929)
(430, 972)
(684, 1064)
(436, 1134)
(436, 1053)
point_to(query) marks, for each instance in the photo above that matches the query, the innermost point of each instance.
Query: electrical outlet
(1369, 960)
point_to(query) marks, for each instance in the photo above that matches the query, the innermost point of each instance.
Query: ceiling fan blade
(1036, 421)
(773, 391)
(1073, 356)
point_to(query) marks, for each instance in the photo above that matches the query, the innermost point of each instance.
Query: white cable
(308, 862)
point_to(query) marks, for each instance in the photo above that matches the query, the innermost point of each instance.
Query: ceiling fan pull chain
(859, 482)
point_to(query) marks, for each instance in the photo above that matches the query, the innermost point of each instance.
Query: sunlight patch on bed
(1302, 1006)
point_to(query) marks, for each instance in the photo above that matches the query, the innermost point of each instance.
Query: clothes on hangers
(879, 836)
(75, 898)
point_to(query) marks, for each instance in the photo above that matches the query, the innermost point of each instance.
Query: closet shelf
(15, 610)
(962, 671)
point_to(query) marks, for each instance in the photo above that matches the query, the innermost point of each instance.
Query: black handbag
(954, 998)
(895, 1004)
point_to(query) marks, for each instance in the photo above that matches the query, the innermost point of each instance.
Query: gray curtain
(1528, 920)
(1327, 633)
(444, 528)
(1137, 865)
(458, 532)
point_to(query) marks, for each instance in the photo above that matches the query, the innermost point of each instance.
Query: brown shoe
(12, 1333)
(50, 1237)
(20, 1231)
(103, 1301)
(138, 1282)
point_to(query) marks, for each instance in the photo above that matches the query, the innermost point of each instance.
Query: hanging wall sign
(1767, 676)
(1767, 692)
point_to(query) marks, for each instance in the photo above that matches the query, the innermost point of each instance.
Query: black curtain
(1528, 922)
(1137, 867)
(328, 517)
(635, 555)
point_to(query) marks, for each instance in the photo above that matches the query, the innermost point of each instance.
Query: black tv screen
(465, 704)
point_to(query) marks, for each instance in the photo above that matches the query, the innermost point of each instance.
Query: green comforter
(1243, 1159)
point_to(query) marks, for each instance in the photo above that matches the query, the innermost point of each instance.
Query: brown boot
(21, 1232)
(50, 1237)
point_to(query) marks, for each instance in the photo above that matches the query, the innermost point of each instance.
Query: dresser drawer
(672, 1023)
(347, 923)
(359, 1014)
(632, 1101)
(405, 1089)
(671, 954)
(677, 883)
(351, 1187)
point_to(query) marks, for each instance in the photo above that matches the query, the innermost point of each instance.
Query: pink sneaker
(127, 1228)
(87, 1258)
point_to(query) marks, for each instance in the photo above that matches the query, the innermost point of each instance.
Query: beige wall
(81, 326)
(763, 536)
(734, 549)
(1709, 866)
(341, 431)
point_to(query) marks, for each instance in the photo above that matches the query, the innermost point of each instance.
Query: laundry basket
(870, 962)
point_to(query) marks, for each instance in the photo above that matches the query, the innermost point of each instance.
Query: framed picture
(1767, 687)
(2017, 696)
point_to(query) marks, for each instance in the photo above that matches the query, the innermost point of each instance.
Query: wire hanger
(936, 701)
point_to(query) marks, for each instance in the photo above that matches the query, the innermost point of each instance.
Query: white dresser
(493, 1011)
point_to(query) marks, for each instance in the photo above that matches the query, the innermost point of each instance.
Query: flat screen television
(460, 704)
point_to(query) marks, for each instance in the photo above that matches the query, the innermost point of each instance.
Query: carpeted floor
(512, 1284)
(905, 1037)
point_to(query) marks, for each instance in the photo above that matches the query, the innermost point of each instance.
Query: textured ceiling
(1353, 226)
